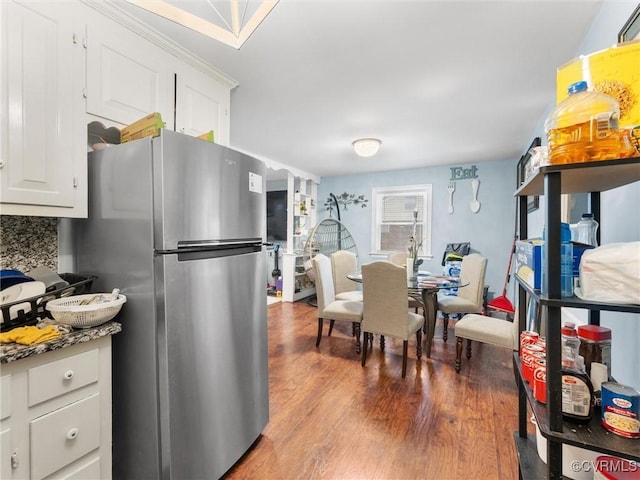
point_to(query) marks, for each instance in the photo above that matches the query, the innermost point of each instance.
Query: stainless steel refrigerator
(177, 224)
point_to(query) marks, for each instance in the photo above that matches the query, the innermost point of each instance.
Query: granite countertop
(10, 352)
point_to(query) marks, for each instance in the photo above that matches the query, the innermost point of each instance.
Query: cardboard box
(613, 71)
(528, 261)
(208, 136)
(148, 126)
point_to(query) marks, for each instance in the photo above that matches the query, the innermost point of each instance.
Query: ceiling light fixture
(366, 147)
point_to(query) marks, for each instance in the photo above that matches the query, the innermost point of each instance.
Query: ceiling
(439, 82)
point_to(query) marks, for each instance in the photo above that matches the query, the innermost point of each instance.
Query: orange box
(148, 126)
(613, 71)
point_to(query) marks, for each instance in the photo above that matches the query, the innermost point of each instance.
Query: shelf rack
(553, 181)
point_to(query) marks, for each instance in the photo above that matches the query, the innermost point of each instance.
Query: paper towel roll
(598, 375)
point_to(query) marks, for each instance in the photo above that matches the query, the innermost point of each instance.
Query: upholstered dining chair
(470, 296)
(400, 258)
(328, 307)
(384, 287)
(342, 264)
(483, 329)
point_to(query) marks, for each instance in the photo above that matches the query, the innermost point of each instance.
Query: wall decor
(459, 173)
(533, 202)
(345, 199)
(631, 29)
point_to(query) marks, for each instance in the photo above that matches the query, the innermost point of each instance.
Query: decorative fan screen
(326, 237)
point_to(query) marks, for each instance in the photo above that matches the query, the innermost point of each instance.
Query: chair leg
(381, 342)
(458, 354)
(356, 329)
(405, 347)
(468, 349)
(445, 326)
(419, 344)
(364, 348)
(331, 327)
(319, 332)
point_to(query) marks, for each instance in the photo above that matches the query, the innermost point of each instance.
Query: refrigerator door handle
(219, 244)
(215, 248)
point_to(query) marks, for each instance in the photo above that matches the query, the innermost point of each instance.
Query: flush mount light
(366, 147)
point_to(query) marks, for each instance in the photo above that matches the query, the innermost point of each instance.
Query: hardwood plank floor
(332, 419)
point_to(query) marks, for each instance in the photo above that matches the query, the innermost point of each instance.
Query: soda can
(528, 359)
(540, 380)
(526, 338)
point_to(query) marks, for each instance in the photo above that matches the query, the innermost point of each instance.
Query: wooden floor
(330, 418)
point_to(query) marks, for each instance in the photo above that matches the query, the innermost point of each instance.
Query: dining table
(424, 287)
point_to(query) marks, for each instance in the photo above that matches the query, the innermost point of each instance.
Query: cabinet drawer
(88, 470)
(5, 396)
(62, 436)
(56, 378)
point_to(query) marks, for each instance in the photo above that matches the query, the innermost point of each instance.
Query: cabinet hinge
(84, 93)
(75, 182)
(75, 38)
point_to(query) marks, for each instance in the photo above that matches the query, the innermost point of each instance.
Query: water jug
(583, 127)
(585, 230)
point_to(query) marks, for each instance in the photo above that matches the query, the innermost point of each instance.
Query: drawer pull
(68, 375)
(73, 433)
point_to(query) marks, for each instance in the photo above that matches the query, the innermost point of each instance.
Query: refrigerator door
(204, 191)
(212, 357)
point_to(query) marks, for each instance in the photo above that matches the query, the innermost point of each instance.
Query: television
(277, 215)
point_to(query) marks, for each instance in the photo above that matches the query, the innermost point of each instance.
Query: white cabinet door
(128, 77)
(41, 123)
(202, 104)
(5, 453)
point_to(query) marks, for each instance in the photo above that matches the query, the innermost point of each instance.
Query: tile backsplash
(28, 242)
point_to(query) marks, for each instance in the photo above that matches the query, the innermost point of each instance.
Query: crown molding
(110, 9)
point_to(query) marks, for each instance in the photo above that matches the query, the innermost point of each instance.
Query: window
(392, 223)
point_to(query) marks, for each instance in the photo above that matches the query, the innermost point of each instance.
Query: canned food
(621, 409)
(529, 352)
(540, 380)
(615, 468)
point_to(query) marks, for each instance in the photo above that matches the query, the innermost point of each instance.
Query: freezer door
(204, 191)
(212, 361)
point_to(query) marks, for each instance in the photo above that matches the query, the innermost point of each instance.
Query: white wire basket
(76, 312)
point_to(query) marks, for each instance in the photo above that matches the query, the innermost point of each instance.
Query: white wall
(490, 231)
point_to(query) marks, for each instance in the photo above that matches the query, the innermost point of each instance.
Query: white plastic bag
(611, 274)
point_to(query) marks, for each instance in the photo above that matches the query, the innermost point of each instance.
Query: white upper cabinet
(64, 66)
(202, 104)
(128, 77)
(43, 158)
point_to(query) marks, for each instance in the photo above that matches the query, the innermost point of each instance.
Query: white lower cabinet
(58, 420)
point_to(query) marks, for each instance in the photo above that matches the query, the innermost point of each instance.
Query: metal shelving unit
(552, 181)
